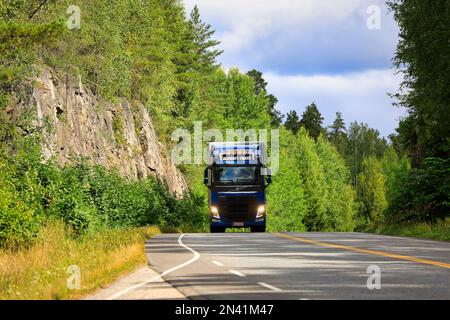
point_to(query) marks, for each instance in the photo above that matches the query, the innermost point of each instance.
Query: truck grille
(238, 208)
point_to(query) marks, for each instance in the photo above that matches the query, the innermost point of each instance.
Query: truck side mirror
(207, 177)
(267, 173)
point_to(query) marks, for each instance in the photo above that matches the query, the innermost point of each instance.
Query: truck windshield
(235, 175)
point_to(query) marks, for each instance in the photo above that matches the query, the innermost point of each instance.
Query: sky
(336, 53)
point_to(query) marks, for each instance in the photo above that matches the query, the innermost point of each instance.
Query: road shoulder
(156, 290)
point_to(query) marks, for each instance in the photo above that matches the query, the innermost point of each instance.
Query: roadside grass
(437, 231)
(40, 272)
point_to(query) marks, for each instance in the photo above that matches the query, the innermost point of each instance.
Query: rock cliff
(76, 123)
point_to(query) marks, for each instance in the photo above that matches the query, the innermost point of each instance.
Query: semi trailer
(237, 178)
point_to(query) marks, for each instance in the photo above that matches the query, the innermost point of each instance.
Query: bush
(424, 193)
(87, 198)
(17, 222)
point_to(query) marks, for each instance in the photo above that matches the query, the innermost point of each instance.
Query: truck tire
(258, 228)
(217, 229)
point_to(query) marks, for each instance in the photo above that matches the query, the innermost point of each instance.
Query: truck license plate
(238, 224)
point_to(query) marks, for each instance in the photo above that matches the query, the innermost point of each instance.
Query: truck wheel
(258, 229)
(217, 229)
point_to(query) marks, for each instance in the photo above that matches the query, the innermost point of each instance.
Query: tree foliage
(371, 191)
(423, 54)
(312, 121)
(337, 134)
(312, 191)
(261, 87)
(151, 51)
(292, 121)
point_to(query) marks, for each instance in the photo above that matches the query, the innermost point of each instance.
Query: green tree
(260, 83)
(396, 171)
(18, 43)
(362, 142)
(311, 191)
(292, 121)
(337, 134)
(337, 129)
(310, 169)
(197, 66)
(204, 44)
(244, 109)
(371, 191)
(312, 121)
(261, 87)
(423, 55)
(275, 115)
(339, 195)
(287, 203)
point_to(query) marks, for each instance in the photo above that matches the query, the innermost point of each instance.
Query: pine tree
(275, 114)
(337, 134)
(204, 44)
(337, 129)
(260, 83)
(292, 121)
(261, 87)
(312, 121)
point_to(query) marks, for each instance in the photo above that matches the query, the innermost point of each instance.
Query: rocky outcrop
(116, 135)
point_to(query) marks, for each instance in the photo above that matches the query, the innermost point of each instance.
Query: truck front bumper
(237, 224)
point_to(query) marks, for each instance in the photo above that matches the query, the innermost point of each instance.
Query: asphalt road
(301, 266)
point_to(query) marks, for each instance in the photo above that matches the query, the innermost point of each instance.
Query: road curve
(301, 266)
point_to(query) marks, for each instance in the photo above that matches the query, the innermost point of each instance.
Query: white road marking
(194, 258)
(239, 274)
(268, 286)
(217, 263)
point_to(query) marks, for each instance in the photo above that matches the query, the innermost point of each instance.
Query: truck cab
(237, 178)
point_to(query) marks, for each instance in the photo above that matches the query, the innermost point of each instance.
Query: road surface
(300, 266)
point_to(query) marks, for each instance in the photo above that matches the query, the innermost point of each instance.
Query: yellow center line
(360, 250)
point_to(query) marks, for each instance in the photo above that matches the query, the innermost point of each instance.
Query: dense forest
(332, 178)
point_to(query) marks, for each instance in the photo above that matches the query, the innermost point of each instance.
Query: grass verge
(436, 231)
(40, 272)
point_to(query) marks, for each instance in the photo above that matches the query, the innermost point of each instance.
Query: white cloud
(245, 21)
(359, 96)
(243, 35)
(233, 12)
(293, 36)
(317, 50)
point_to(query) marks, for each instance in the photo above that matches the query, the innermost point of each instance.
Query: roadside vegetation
(400, 185)
(86, 198)
(439, 230)
(41, 271)
(334, 178)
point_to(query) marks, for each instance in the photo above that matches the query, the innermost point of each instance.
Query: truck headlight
(215, 212)
(261, 211)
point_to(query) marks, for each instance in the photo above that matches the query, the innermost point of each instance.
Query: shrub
(87, 198)
(424, 193)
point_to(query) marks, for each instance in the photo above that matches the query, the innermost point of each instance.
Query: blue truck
(237, 178)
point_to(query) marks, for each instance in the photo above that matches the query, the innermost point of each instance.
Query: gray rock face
(76, 124)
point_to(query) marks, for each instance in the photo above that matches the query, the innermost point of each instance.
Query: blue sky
(313, 50)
